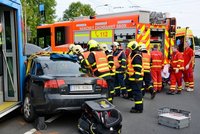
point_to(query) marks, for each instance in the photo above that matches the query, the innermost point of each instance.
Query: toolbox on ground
(100, 117)
(174, 118)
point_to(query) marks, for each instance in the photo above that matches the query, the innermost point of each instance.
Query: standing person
(156, 67)
(188, 55)
(98, 63)
(135, 77)
(176, 71)
(146, 59)
(120, 64)
(109, 55)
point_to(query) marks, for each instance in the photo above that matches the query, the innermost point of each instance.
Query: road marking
(52, 118)
(31, 131)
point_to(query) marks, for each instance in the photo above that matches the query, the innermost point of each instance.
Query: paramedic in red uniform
(156, 68)
(176, 71)
(188, 65)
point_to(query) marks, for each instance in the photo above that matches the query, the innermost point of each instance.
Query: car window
(39, 70)
(197, 48)
(33, 68)
(60, 68)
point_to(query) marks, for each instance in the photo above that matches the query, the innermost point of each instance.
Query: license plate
(75, 88)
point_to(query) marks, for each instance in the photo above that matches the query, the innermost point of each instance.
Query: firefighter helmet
(143, 47)
(103, 46)
(133, 45)
(77, 49)
(116, 44)
(71, 46)
(92, 44)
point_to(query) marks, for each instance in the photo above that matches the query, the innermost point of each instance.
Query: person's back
(157, 60)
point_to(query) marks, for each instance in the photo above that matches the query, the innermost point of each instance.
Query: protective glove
(187, 66)
(176, 70)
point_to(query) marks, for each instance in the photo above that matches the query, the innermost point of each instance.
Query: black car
(57, 85)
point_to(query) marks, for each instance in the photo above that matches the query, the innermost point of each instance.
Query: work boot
(133, 110)
(153, 95)
(171, 92)
(178, 92)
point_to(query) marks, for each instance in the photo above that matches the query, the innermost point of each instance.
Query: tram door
(8, 44)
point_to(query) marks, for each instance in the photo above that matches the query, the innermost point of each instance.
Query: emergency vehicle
(143, 26)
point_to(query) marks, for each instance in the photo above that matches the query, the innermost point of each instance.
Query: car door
(36, 83)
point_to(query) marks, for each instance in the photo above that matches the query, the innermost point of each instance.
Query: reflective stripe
(104, 75)
(138, 73)
(123, 88)
(93, 64)
(129, 90)
(156, 66)
(147, 71)
(142, 89)
(109, 99)
(133, 79)
(112, 92)
(124, 60)
(156, 60)
(138, 102)
(123, 66)
(117, 87)
(137, 65)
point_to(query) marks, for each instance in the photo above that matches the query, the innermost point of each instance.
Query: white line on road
(31, 131)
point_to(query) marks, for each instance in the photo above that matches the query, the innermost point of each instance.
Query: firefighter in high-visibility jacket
(104, 47)
(146, 59)
(188, 55)
(120, 64)
(156, 68)
(134, 70)
(176, 71)
(98, 63)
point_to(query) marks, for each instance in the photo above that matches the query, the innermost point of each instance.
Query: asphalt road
(145, 123)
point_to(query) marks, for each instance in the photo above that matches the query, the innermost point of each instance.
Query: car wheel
(29, 113)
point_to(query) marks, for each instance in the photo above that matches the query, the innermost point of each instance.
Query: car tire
(28, 110)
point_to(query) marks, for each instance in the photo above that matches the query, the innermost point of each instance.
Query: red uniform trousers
(157, 79)
(189, 78)
(176, 78)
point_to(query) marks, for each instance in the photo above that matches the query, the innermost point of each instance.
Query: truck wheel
(29, 113)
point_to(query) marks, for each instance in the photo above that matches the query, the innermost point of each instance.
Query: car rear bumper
(56, 102)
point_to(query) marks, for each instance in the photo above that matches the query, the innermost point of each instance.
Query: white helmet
(116, 44)
(143, 47)
(77, 49)
(71, 46)
(103, 46)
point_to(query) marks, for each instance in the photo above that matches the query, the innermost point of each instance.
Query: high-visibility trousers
(189, 78)
(120, 84)
(111, 91)
(157, 79)
(147, 83)
(137, 94)
(176, 78)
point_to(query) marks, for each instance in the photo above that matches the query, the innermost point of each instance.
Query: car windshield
(60, 68)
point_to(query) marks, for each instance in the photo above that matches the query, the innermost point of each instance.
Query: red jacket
(177, 61)
(156, 60)
(188, 54)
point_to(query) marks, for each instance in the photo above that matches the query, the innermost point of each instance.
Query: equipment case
(174, 118)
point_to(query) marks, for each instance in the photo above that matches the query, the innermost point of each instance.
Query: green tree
(77, 9)
(197, 40)
(33, 18)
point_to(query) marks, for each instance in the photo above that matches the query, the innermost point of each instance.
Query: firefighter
(104, 47)
(146, 59)
(176, 71)
(188, 66)
(120, 64)
(98, 63)
(135, 77)
(156, 68)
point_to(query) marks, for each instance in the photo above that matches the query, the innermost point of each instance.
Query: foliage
(77, 9)
(34, 18)
(197, 40)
